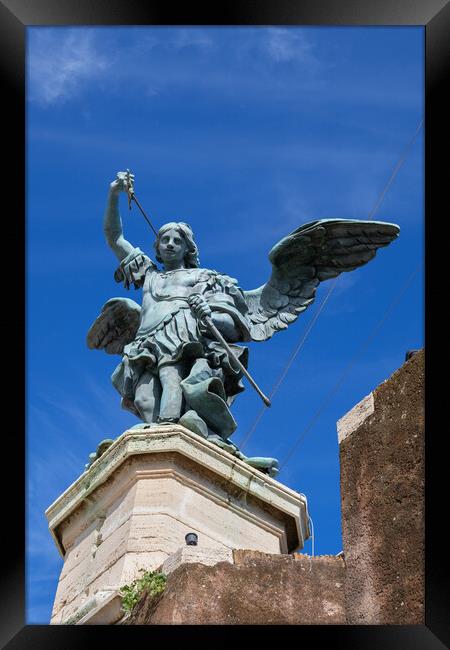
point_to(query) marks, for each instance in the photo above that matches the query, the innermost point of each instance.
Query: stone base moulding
(133, 507)
(197, 554)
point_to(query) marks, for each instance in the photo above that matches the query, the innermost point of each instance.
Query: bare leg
(172, 394)
(147, 397)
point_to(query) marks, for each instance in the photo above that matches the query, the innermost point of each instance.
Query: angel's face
(172, 247)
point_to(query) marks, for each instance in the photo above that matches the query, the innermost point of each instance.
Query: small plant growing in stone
(151, 582)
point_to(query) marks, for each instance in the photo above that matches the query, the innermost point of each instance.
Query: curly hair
(191, 258)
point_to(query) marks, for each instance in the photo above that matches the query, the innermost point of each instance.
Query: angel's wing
(315, 252)
(116, 326)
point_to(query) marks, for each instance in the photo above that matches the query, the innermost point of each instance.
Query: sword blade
(220, 339)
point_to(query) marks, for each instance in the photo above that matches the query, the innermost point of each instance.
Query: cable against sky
(291, 359)
(290, 362)
(350, 365)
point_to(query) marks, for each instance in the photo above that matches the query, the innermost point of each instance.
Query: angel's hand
(199, 306)
(123, 182)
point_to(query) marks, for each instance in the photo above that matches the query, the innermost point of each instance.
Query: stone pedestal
(133, 507)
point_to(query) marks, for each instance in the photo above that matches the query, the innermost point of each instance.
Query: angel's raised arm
(112, 223)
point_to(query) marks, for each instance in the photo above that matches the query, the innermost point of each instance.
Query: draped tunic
(169, 332)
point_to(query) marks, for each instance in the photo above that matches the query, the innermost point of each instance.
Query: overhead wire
(396, 170)
(289, 363)
(349, 366)
(377, 205)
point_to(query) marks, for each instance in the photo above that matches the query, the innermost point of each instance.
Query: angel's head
(175, 243)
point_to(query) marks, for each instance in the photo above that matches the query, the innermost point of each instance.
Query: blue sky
(245, 133)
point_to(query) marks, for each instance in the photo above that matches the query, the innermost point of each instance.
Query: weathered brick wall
(382, 498)
(257, 589)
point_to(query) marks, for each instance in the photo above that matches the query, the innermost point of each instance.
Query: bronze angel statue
(182, 358)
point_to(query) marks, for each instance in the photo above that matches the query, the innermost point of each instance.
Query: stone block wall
(255, 589)
(382, 497)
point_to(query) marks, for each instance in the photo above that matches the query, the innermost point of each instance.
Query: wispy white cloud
(345, 282)
(294, 208)
(92, 415)
(60, 62)
(83, 420)
(199, 38)
(152, 61)
(283, 45)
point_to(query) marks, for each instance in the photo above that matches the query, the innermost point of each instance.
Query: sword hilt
(130, 190)
(207, 320)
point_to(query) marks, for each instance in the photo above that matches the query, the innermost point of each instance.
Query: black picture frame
(15, 16)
